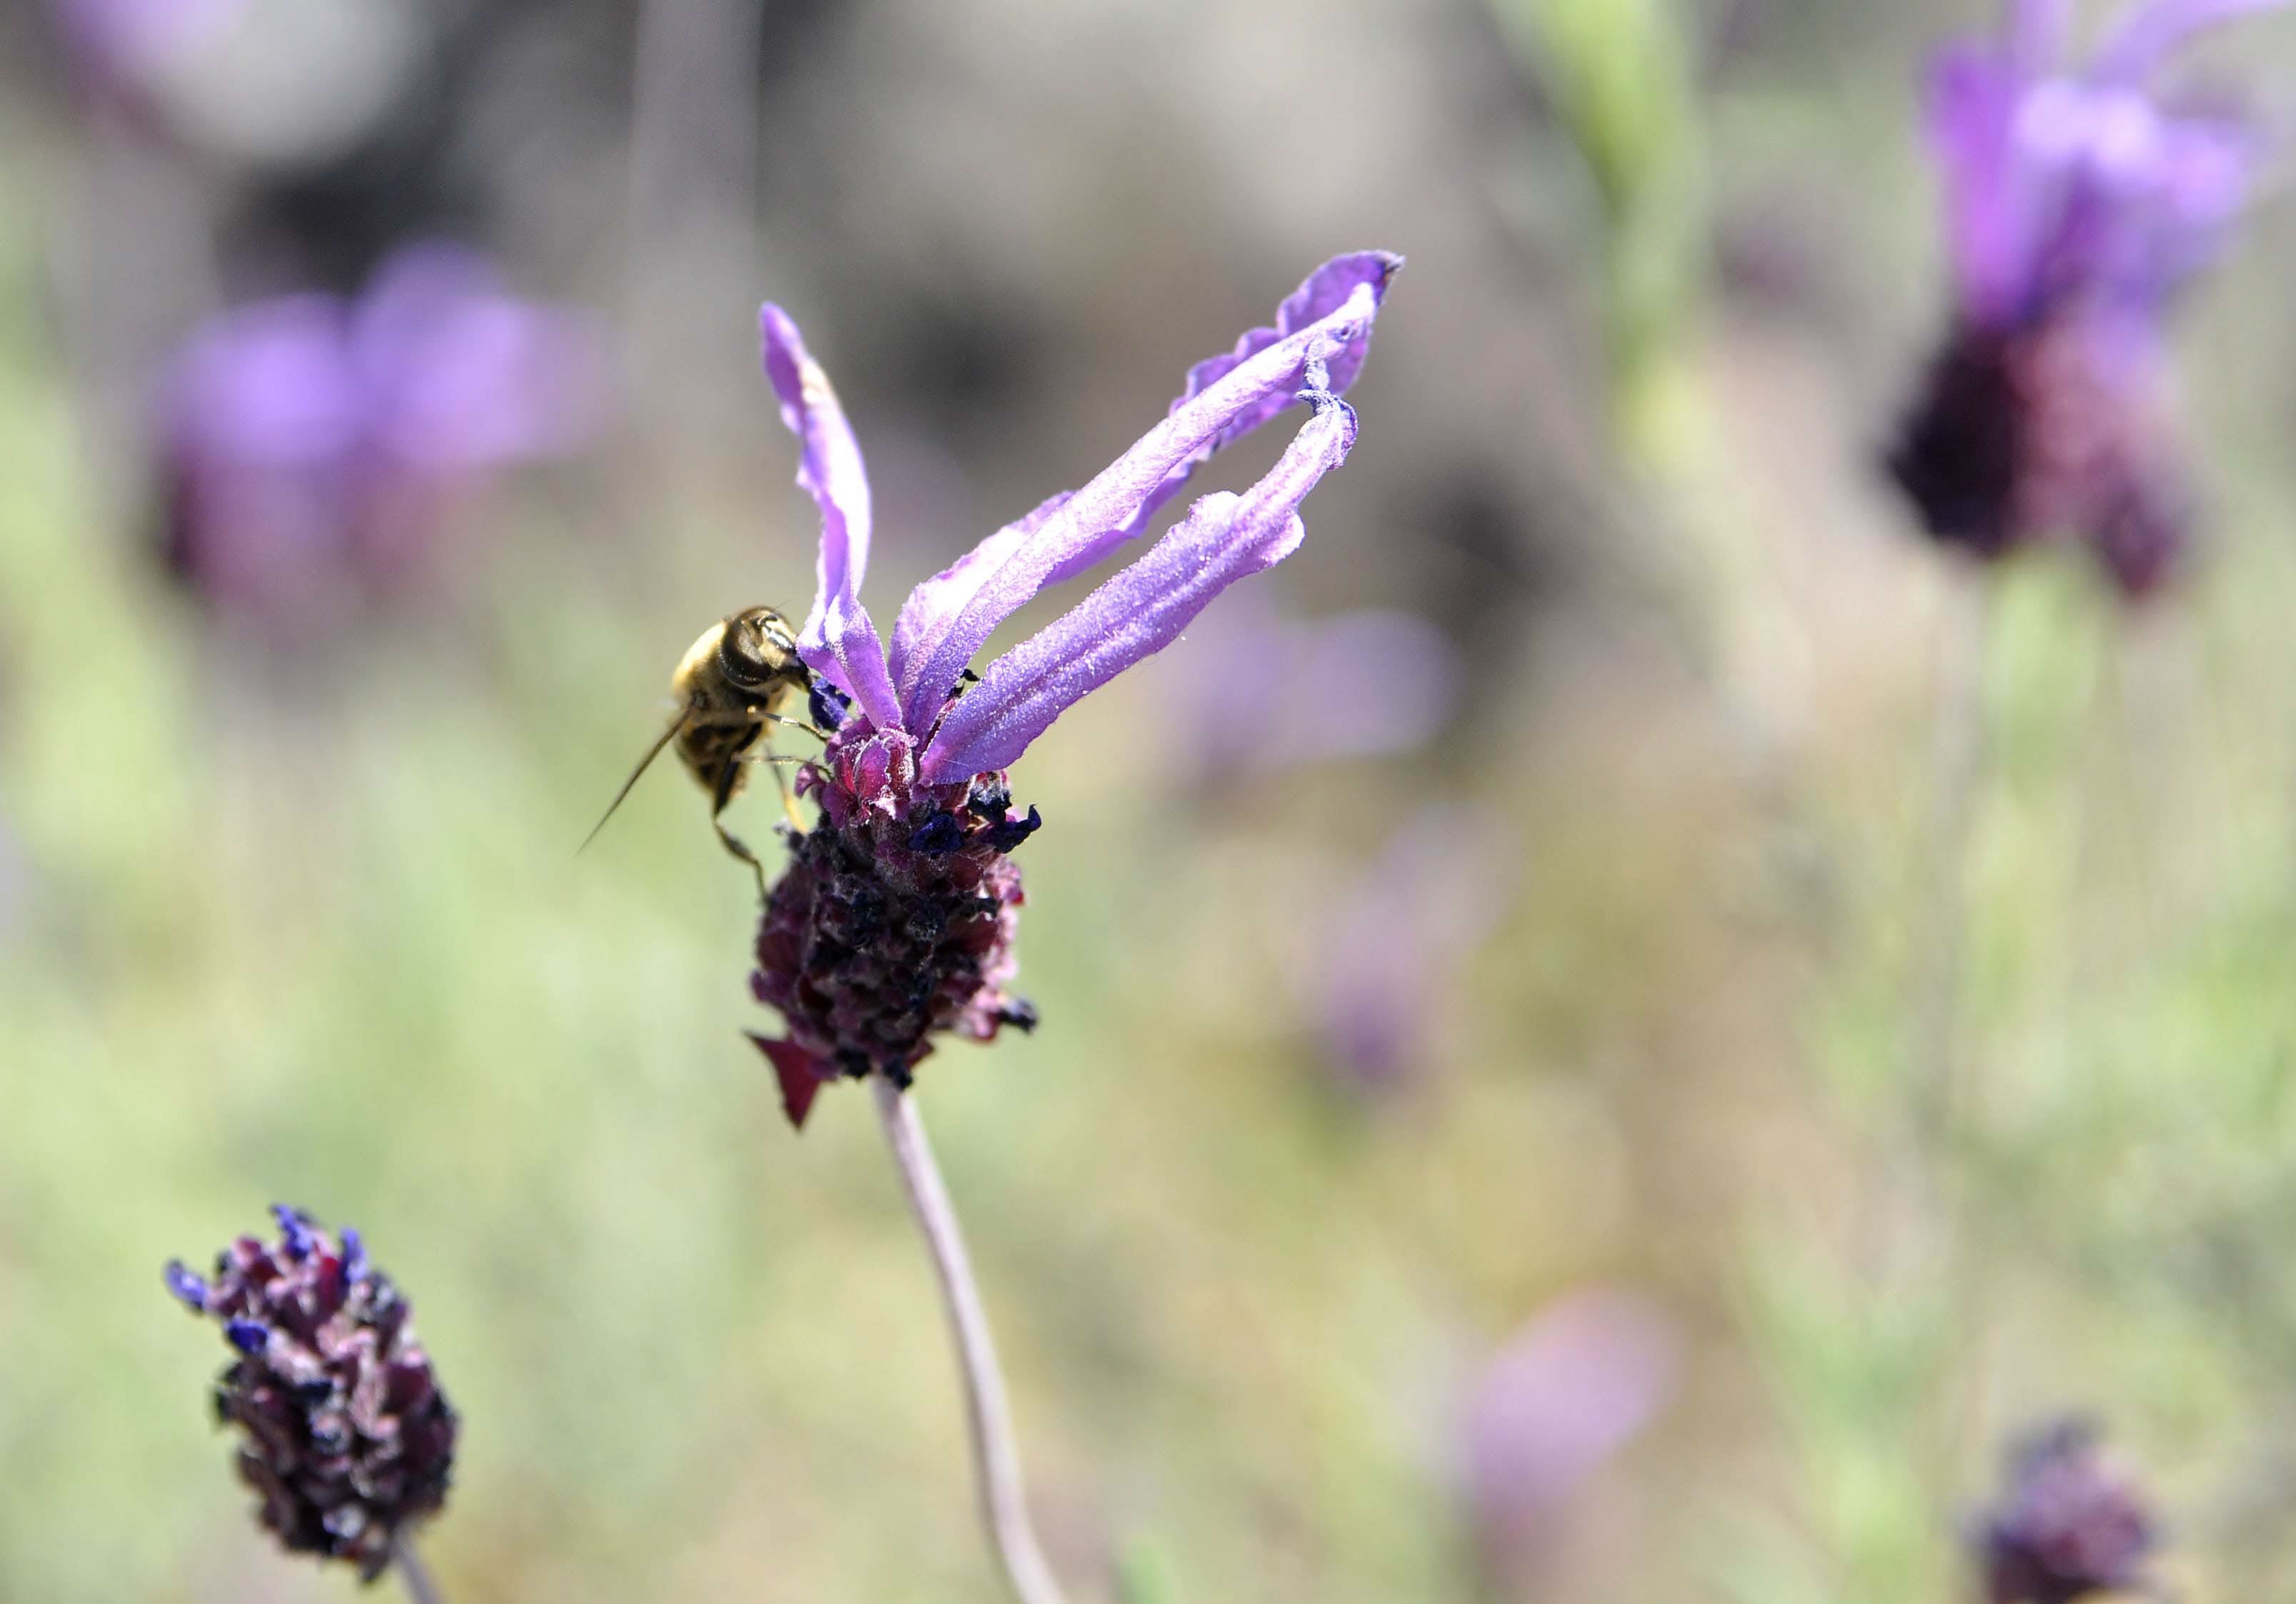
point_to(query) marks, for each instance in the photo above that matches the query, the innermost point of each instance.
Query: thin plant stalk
(413, 1574)
(1909, 1228)
(1958, 758)
(995, 1453)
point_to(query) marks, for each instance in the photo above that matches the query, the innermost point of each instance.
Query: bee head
(759, 649)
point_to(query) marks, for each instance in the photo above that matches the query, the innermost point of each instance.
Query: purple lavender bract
(888, 926)
(2067, 1526)
(2076, 207)
(348, 1438)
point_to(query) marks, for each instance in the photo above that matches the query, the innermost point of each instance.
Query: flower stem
(419, 1588)
(1958, 762)
(995, 1454)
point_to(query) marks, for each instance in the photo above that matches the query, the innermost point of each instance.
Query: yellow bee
(730, 688)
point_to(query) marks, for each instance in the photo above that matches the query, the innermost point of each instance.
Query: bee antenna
(645, 763)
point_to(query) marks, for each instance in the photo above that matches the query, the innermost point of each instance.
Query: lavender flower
(1389, 952)
(2068, 1524)
(2076, 207)
(894, 922)
(1255, 692)
(315, 450)
(1568, 1390)
(124, 44)
(347, 1438)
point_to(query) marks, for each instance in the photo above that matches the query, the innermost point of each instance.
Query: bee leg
(729, 780)
(796, 724)
(789, 796)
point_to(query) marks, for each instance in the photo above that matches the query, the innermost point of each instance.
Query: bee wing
(645, 763)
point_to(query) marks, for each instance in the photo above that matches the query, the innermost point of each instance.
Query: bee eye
(743, 656)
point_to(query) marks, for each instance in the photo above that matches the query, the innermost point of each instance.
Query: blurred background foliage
(1306, 1288)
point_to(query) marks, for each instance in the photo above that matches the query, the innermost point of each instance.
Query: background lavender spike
(345, 1436)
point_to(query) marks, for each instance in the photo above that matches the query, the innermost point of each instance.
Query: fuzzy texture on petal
(1141, 611)
(933, 606)
(840, 640)
(1324, 291)
(957, 620)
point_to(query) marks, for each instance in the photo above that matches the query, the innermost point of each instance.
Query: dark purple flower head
(2068, 1524)
(314, 448)
(2077, 206)
(347, 1437)
(891, 926)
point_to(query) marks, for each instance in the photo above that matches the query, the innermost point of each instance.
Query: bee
(730, 688)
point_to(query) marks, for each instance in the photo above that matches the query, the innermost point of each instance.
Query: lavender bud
(188, 1288)
(345, 1435)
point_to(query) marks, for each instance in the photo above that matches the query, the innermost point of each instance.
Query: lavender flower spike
(346, 1438)
(894, 922)
(2076, 207)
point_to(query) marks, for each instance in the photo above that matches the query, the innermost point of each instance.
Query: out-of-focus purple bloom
(315, 450)
(1256, 692)
(345, 1436)
(2069, 1523)
(2077, 206)
(126, 44)
(888, 927)
(1567, 1391)
(1386, 958)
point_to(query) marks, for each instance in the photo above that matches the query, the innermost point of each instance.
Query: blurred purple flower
(1257, 692)
(895, 919)
(123, 44)
(2076, 207)
(2068, 1524)
(1386, 956)
(1568, 1390)
(316, 450)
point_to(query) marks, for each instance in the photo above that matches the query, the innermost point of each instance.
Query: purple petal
(953, 625)
(2148, 31)
(1324, 291)
(1139, 611)
(933, 606)
(2035, 32)
(1972, 111)
(839, 641)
